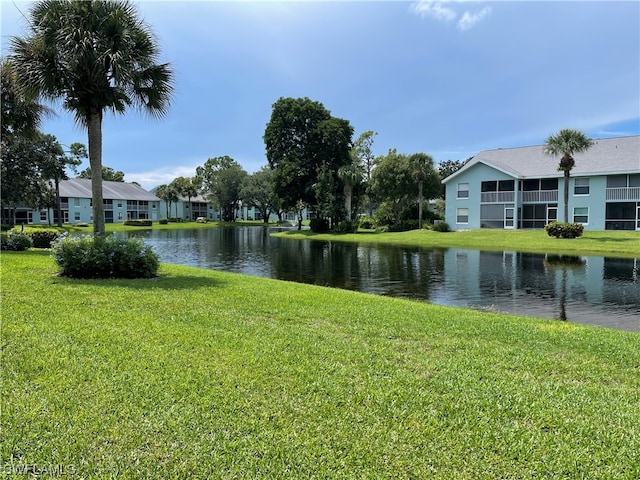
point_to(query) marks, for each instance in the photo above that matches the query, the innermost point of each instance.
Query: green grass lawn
(609, 243)
(205, 374)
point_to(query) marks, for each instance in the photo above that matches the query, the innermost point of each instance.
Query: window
(462, 215)
(463, 190)
(43, 215)
(549, 184)
(506, 185)
(490, 186)
(581, 186)
(76, 216)
(616, 181)
(581, 215)
(119, 203)
(76, 202)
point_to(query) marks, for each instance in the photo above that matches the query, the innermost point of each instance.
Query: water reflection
(591, 290)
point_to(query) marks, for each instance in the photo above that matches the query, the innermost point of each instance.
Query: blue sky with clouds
(448, 78)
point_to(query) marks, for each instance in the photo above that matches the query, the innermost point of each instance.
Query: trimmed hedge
(138, 223)
(43, 238)
(564, 230)
(110, 257)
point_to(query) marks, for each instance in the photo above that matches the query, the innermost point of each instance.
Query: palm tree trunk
(420, 204)
(58, 205)
(566, 196)
(348, 194)
(95, 161)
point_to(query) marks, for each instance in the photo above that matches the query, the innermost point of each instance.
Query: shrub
(138, 223)
(43, 238)
(16, 240)
(346, 227)
(564, 230)
(441, 227)
(110, 257)
(174, 219)
(5, 226)
(202, 220)
(319, 225)
(163, 221)
(367, 223)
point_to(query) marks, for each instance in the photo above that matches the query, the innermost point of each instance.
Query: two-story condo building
(522, 188)
(122, 201)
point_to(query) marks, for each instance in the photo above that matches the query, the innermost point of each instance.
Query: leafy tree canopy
(301, 138)
(222, 179)
(108, 174)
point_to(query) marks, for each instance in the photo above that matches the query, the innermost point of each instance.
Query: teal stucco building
(521, 187)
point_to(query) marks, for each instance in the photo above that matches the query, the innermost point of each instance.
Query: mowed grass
(206, 374)
(607, 243)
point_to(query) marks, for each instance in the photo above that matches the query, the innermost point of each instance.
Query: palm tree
(567, 142)
(94, 55)
(422, 164)
(351, 175)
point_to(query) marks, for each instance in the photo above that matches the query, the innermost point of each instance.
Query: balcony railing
(623, 193)
(495, 197)
(539, 196)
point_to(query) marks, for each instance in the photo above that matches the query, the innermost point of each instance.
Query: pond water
(588, 289)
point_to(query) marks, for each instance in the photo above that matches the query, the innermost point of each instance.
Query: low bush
(202, 220)
(403, 226)
(5, 226)
(319, 225)
(139, 223)
(346, 227)
(441, 227)
(163, 221)
(110, 257)
(564, 230)
(367, 223)
(43, 238)
(15, 240)
(174, 219)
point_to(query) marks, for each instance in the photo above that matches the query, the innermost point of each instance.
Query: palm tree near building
(95, 56)
(567, 142)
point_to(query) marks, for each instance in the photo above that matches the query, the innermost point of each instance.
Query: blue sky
(447, 78)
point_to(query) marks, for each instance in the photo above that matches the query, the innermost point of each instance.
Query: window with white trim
(462, 215)
(463, 190)
(581, 215)
(581, 186)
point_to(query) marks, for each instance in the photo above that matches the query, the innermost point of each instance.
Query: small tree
(567, 142)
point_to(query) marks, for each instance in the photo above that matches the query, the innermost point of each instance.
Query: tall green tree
(567, 142)
(222, 179)
(424, 170)
(97, 56)
(362, 155)
(257, 192)
(392, 181)
(169, 195)
(351, 176)
(57, 163)
(302, 141)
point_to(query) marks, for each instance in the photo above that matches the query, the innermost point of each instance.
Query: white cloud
(429, 8)
(446, 11)
(469, 19)
(160, 176)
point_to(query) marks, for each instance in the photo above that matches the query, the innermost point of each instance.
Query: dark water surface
(587, 289)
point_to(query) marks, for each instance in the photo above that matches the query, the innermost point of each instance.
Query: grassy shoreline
(607, 243)
(615, 244)
(217, 375)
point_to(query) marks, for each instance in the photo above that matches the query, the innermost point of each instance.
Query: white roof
(81, 188)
